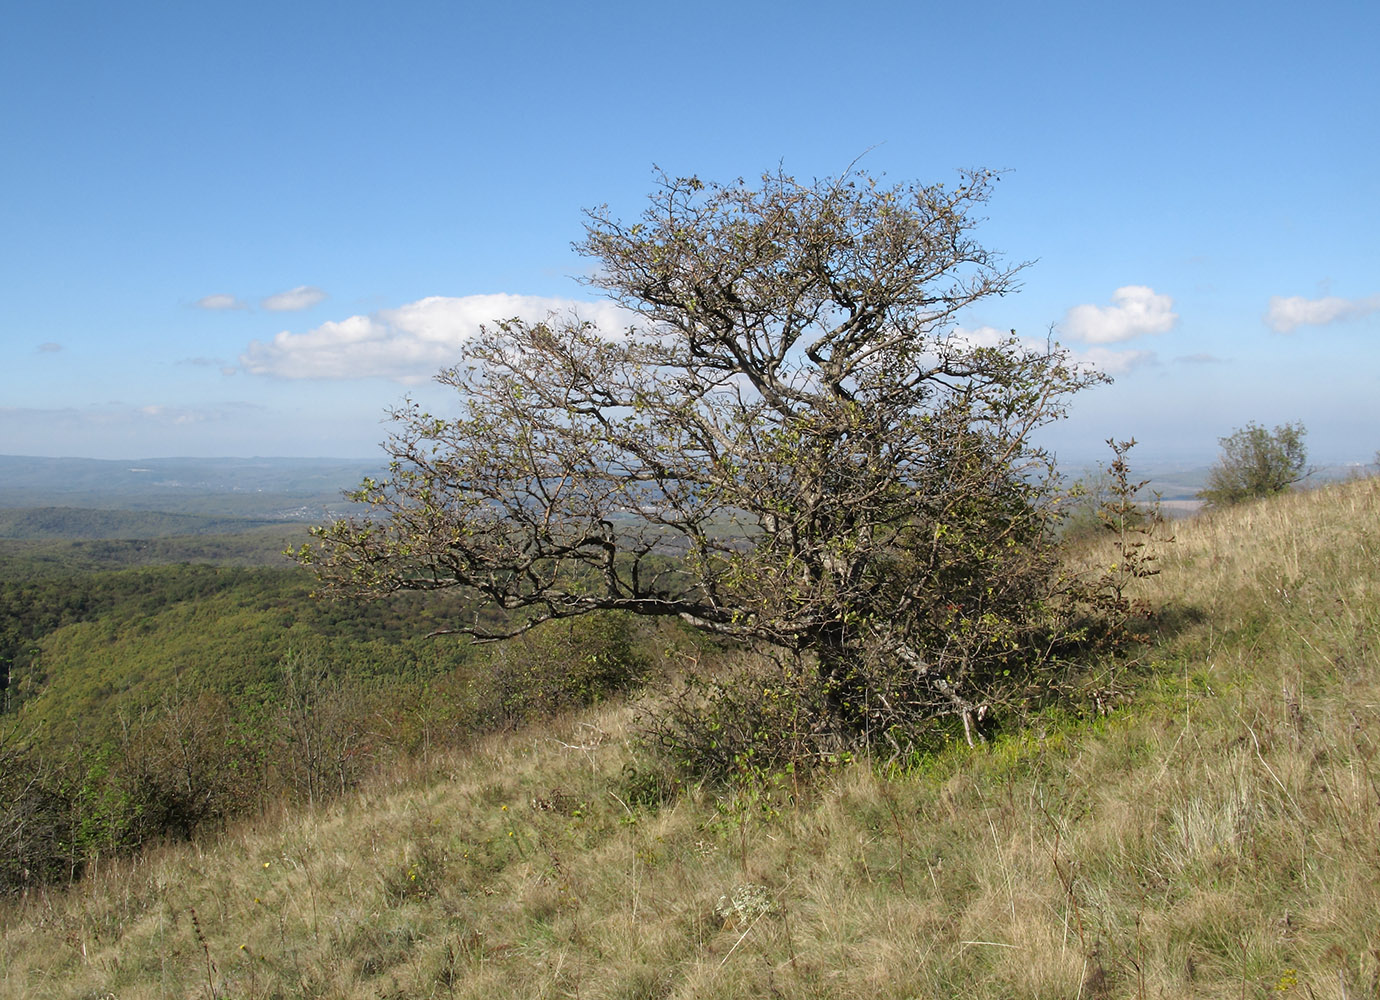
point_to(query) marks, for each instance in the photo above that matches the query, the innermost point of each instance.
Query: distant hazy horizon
(1072, 450)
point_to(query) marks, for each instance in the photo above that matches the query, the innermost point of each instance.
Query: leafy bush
(766, 716)
(1256, 463)
(558, 665)
(184, 767)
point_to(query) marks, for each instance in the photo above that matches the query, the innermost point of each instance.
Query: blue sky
(248, 229)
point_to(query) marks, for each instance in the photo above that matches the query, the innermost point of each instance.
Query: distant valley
(52, 498)
(210, 489)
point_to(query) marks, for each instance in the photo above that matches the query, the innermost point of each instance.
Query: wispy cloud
(1115, 362)
(122, 414)
(177, 416)
(294, 299)
(49, 347)
(223, 366)
(1199, 359)
(410, 343)
(1285, 315)
(150, 427)
(219, 302)
(1106, 360)
(1135, 310)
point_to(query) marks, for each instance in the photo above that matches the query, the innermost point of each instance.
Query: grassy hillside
(1205, 823)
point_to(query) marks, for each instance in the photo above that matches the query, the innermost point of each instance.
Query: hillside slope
(1215, 834)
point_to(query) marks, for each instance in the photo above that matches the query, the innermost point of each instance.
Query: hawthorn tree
(1256, 463)
(791, 443)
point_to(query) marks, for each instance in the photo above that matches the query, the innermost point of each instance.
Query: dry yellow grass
(1218, 836)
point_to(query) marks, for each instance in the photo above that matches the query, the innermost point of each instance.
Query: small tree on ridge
(1256, 463)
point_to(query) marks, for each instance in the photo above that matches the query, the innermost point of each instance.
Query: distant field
(256, 546)
(1180, 508)
(277, 489)
(84, 522)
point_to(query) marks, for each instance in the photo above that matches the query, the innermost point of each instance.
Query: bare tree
(792, 442)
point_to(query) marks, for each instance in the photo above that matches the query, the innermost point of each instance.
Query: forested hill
(256, 693)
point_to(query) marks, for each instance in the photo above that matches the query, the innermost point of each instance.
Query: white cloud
(1199, 359)
(410, 343)
(219, 302)
(301, 297)
(1137, 310)
(1288, 314)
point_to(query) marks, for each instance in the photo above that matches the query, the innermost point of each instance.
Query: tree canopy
(791, 442)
